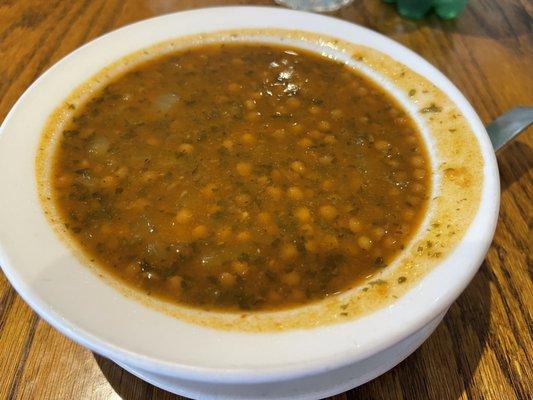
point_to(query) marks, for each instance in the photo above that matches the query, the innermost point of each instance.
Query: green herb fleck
(433, 108)
(244, 257)
(379, 262)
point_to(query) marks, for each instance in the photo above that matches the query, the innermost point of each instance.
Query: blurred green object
(417, 9)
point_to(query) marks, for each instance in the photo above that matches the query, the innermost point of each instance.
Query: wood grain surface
(484, 347)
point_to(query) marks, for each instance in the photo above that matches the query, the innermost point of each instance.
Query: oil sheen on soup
(241, 177)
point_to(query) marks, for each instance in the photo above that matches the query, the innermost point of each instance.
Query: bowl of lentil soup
(239, 195)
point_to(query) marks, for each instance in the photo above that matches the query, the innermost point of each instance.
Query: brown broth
(241, 177)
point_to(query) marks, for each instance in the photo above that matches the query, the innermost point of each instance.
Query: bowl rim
(487, 222)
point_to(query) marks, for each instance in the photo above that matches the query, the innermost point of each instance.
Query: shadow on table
(442, 368)
(514, 161)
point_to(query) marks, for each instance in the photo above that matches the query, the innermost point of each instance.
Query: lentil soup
(241, 177)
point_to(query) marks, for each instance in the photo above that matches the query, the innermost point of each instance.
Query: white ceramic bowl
(202, 361)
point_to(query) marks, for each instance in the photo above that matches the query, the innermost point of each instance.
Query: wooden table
(481, 349)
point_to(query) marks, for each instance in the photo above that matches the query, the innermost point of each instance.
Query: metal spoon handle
(504, 128)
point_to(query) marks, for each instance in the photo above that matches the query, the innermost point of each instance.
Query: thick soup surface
(241, 177)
